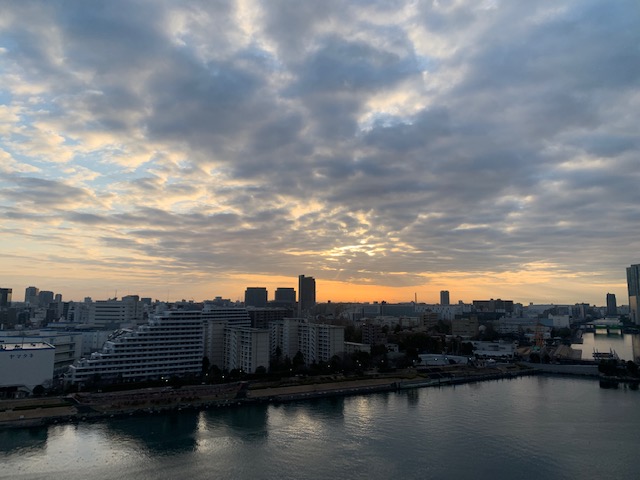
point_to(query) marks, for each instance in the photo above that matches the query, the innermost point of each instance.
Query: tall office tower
(45, 297)
(31, 295)
(444, 297)
(57, 298)
(306, 293)
(5, 297)
(255, 297)
(633, 284)
(285, 295)
(612, 306)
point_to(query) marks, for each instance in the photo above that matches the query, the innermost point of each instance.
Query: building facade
(316, 342)
(444, 297)
(255, 297)
(612, 305)
(26, 363)
(171, 343)
(285, 295)
(246, 349)
(31, 296)
(633, 285)
(5, 297)
(306, 294)
(113, 313)
(216, 320)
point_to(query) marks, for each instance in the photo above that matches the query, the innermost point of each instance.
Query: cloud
(375, 143)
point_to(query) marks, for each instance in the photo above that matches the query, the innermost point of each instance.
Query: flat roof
(4, 345)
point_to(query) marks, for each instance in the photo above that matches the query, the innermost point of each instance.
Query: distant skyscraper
(612, 306)
(444, 297)
(5, 297)
(285, 295)
(255, 297)
(633, 284)
(306, 293)
(45, 297)
(31, 295)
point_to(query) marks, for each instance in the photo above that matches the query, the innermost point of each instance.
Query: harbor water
(627, 346)
(530, 427)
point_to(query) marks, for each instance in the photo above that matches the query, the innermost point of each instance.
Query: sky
(390, 149)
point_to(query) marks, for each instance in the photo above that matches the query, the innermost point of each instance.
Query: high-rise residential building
(5, 297)
(633, 285)
(262, 317)
(216, 320)
(255, 297)
(306, 293)
(612, 306)
(246, 349)
(285, 295)
(444, 297)
(31, 295)
(172, 343)
(316, 342)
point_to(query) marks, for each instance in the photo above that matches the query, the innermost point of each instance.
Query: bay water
(526, 428)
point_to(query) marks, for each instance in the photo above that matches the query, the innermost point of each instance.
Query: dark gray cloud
(374, 142)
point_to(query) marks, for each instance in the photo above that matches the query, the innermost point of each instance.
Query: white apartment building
(105, 313)
(216, 320)
(246, 349)
(172, 343)
(317, 342)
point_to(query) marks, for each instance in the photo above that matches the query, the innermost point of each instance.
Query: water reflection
(627, 346)
(159, 434)
(248, 421)
(13, 440)
(412, 395)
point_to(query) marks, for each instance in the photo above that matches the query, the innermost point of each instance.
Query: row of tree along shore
(87, 406)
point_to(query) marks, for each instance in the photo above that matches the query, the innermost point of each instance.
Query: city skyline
(271, 297)
(387, 150)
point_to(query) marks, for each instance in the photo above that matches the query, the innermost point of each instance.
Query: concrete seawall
(573, 370)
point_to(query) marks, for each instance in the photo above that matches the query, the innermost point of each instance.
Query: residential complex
(316, 342)
(172, 343)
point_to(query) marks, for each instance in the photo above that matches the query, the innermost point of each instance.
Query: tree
(335, 364)
(298, 361)
(352, 334)
(175, 382)
(466, 348)
(205, 365)
(38, 390)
